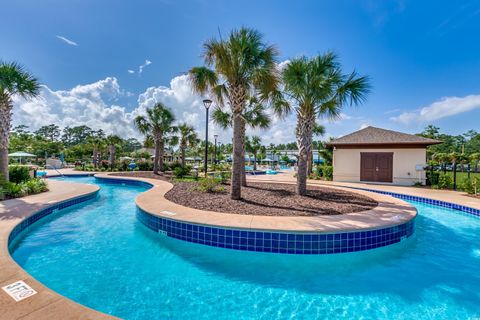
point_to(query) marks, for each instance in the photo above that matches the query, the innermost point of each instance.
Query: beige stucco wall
(346, 164)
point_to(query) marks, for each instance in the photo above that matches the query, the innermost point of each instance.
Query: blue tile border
(440, 203)
(27, 222)
(277, 242)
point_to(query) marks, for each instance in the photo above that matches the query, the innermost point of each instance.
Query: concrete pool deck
(45, 304)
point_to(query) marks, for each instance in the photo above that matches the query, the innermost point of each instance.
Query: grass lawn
(463, 175)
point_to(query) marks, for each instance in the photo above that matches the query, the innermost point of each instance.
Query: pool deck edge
(46, 303)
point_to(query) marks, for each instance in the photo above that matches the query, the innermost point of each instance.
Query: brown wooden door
(376, 166)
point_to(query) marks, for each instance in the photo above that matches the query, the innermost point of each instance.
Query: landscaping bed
(271, 199)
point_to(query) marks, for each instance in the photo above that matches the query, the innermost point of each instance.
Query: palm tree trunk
(244, 174)
(5, 126)
(161, 153)
(238, 158)
(183, 157)
(254, 161)
(95, 158)
(111, 156)
(304, 142)
(156, 160)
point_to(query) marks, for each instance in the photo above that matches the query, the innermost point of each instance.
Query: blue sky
(422, 57)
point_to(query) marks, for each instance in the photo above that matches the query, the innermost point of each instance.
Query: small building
(380, 156)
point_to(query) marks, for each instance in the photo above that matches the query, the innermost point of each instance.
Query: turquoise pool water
(98, 254)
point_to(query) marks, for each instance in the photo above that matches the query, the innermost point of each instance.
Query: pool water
(99, 255)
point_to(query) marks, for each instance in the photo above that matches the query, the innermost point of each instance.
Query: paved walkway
(46, 304)
(456, 197)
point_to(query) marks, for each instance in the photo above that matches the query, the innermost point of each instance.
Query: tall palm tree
(158, 124)
(113, 141)
(188, 139)
(14, 81)
(475, 158)
(443, 159)
(253, 145)
(317, 87)
(254, 115)
(243, 67)
(97, 144)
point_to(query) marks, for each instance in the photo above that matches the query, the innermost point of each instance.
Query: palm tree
(188, 139)
(97, 144)
(317, 87)
(443, 159)
(475, 158)
(14, 81)
(254, 115)
(158, 124)
(113, 141)
(254, 145)
(243, 67)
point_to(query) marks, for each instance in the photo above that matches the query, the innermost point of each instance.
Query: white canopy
(21, 154)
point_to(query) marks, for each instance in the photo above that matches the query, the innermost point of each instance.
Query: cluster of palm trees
(242, 69)
(159, 124)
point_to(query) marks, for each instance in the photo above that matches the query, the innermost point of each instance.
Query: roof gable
(378, 136)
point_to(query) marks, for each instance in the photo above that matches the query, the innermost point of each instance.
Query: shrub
(444, 181)
(104, 164)
(470, 186)
(327, 172)
(144, 165)
(14, 190)
(224, 176)
(209, 185)
(432, 178)
(180, 172)
(19, 174)
(314, 176)
(34, 186)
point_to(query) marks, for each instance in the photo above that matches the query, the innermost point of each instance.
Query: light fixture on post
(207, 103)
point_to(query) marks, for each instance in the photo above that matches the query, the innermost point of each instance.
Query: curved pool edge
(15, 216)
(390, 222)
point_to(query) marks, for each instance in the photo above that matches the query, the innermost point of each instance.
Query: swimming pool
(98, 254)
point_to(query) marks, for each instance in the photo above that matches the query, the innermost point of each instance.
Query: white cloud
(95, 105)
(364, 125)
(67, 41)
(145, 64)
(130, 71)
(445, 107)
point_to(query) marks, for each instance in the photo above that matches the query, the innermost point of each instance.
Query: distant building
(380, 155)
(292, 155)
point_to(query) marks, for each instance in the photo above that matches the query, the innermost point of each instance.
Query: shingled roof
(378, 136)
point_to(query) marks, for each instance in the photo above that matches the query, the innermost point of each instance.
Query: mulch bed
(267, 199)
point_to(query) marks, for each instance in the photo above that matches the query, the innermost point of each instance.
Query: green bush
(209, 185)
(432, 178)
(180, 172)
(34, 186)
(444, 181)
(14, 190)
(19, 174)
(144, 165)
(470, 186)
(327, 172)
(224, 176)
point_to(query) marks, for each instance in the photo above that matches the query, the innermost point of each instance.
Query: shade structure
(21, 154)
(267, 160)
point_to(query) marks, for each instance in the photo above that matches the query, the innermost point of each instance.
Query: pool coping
(46, 303)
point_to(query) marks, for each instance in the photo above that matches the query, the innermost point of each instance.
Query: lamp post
(215, 149)
(207, 103)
